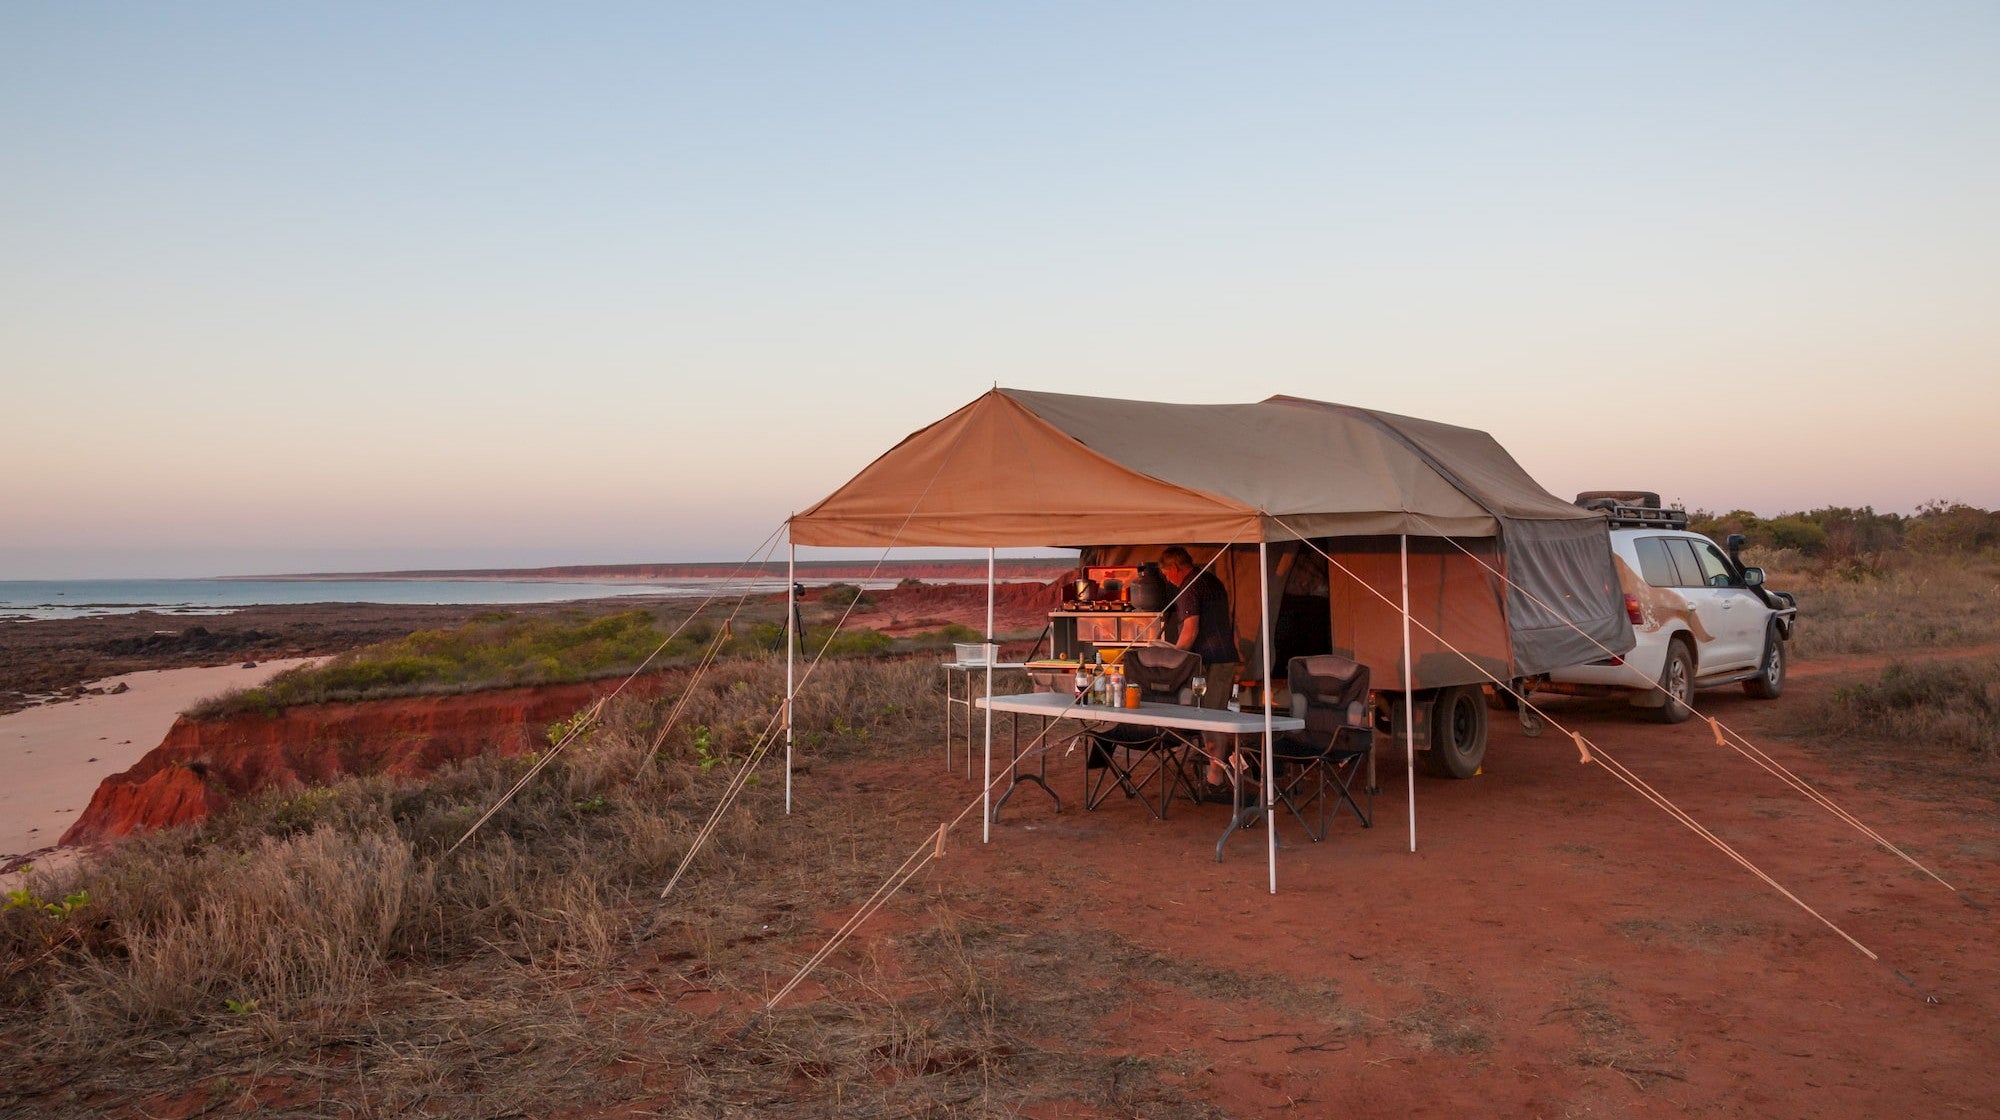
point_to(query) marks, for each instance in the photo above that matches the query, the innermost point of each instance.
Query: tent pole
(1264, 655)
(986, 791)
(791, 639)
(1409, 702)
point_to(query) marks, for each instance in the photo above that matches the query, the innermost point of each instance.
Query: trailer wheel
(1458, 732)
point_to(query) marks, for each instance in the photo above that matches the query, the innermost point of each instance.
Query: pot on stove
(1083, 590)
(1151, 590)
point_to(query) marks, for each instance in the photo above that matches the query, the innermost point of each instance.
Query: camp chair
(1130, 757)
(1330, 693)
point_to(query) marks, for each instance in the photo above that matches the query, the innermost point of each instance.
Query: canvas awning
(1017, 468)
(1024, 468)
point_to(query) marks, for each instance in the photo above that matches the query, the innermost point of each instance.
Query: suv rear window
(1654, 567)
(1681, 550)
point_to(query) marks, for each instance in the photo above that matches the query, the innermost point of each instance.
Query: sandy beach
(55, 755)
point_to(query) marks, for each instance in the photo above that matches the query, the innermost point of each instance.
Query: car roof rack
(1633, 509)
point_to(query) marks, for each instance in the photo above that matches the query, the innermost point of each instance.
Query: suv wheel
(1677, 681)
(1769, 682)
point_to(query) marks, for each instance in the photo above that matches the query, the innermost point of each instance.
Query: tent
(1118, 477)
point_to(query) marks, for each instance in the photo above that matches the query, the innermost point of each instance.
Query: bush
(1948, 704)
(843, 594)
(1910, 602)
(854, 643)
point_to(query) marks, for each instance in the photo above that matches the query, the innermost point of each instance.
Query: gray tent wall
(1565, 605)
(1566, 565)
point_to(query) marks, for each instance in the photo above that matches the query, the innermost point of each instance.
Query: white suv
(1700, 618)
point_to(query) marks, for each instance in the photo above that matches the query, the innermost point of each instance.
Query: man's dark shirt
(1203, 598)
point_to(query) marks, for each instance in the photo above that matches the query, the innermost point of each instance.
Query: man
(1198, 620)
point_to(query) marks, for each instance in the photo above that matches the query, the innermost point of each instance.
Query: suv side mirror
(1753, 577)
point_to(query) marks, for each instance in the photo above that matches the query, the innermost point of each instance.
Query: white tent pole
(986, 794)
(1264, 655)
(1409, 702)
(791, 640)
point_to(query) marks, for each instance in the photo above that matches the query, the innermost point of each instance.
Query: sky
(350, 286)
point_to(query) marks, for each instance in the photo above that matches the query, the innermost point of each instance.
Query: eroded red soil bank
(202, 766)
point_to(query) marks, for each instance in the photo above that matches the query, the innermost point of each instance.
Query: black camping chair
(1128, 757)
(1331, 693)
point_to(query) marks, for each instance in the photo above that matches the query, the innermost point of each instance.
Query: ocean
(25, 600)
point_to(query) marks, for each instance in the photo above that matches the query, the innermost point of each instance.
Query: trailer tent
(1381, 494)
(1017, 468)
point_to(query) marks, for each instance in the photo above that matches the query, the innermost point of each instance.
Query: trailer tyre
(1458, 732)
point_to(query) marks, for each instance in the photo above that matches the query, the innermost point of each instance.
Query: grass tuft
(1947, 705)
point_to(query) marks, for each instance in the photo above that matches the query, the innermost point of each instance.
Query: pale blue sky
(360, 285)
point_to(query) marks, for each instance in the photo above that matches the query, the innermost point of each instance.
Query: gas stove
(1093, 607)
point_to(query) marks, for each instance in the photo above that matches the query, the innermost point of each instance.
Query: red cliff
(200, 767)
(203, 766)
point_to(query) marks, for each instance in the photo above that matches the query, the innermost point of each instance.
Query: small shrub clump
(843, 594)
(1952, 705)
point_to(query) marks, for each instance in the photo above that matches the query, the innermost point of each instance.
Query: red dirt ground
(1555, 947)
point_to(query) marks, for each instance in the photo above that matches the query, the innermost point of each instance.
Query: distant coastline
(33, 600)
(1010, 569)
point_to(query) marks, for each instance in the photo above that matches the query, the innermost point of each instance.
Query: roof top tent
(1388, 510)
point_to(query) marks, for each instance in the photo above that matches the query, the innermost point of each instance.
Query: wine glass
(1198, 686)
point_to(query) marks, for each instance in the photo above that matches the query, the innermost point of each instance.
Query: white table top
(1061, 705)
(969, 666)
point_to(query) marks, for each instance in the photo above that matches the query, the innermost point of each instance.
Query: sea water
(77, 598)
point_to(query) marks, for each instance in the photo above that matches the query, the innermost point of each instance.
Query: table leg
(1243, 816)
(950, 728)
(1018, 779)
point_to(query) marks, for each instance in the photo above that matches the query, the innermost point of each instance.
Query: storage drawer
(1118, 629)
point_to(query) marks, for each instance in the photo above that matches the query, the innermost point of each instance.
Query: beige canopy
(1020, 468)
(1023, 468)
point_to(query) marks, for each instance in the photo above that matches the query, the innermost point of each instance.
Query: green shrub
(842, 594)
(855, 643)
(944, 636)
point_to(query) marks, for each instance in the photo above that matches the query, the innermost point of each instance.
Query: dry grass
(316, 954)
(1445, 1023)
(1606, 1040)
(1923, 602)
(329, 923)
(1947, 708)
(1707, 936)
